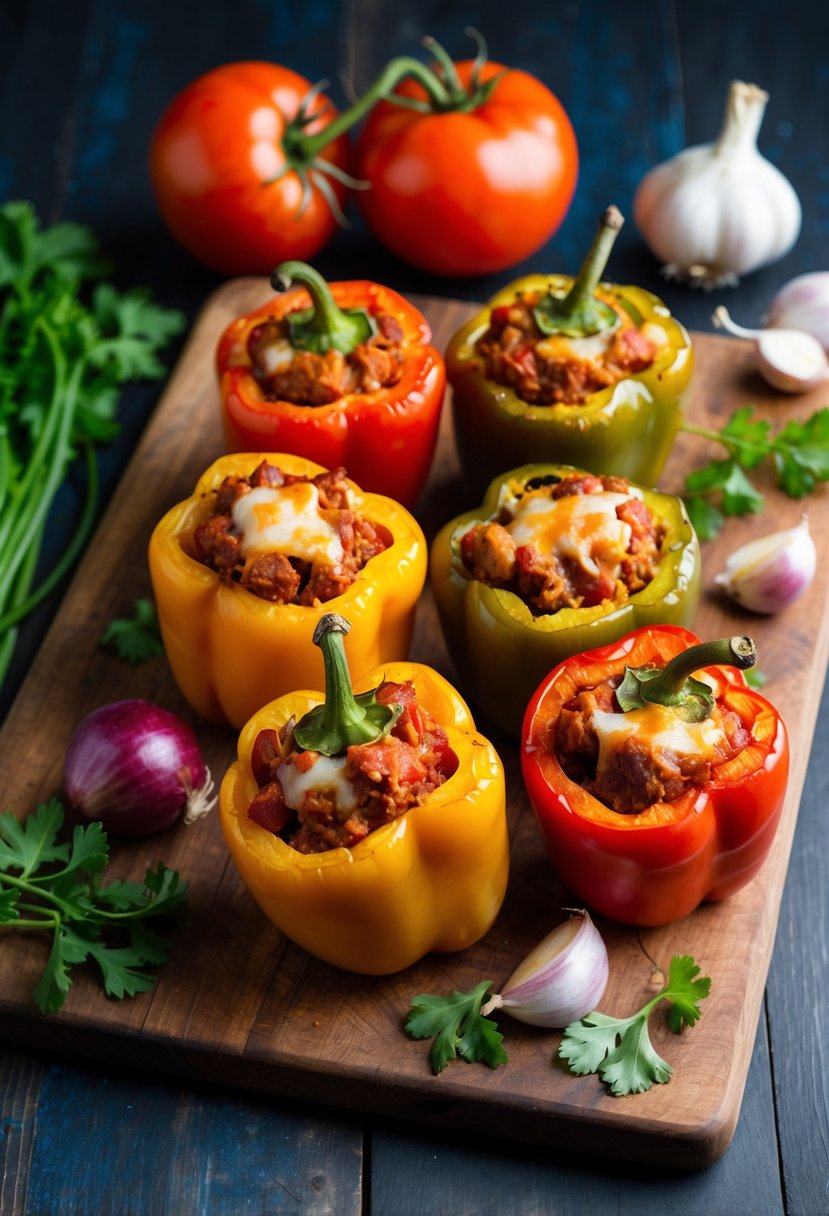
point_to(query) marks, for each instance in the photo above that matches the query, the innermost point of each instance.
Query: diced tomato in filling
(544, 370)
(268, 808)
(385, 778)
(550, 581)
(279, 577)
(633, 774)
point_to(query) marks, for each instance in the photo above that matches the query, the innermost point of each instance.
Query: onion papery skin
(134, 767)
(560, 980)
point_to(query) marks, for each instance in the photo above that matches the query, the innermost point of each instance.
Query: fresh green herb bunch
(54, 887)
(64, 353)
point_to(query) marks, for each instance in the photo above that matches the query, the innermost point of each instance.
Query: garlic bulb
(803, 304)
(560, 980)
(717, 211)
(787, 359)
(770, 573)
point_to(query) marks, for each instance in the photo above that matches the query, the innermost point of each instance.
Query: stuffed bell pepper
(369, 827)
(244, 568)
(342, 374)
(554, 561)
(576, 371)
(656, 774)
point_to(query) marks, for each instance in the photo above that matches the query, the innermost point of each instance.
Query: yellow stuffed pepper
(369, 827)
(244, 568)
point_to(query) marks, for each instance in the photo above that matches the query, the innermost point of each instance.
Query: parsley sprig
(51, 886)
(457, 1028)
(64, 353)
(798, 453)
(620, 1049)
(137, 638)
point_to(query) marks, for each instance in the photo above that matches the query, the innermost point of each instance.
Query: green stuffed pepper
(556, 561)
(571, 370)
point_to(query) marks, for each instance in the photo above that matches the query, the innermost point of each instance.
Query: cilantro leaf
(684, 992)
(161, 893)
(61, 886)
(89, 851)
(26, 846)
(120, 967)
(53, 985)
(131, 330)
(620, 1049)
(739, 496)
(747, 436)
(456, 1025)
(634, 1066)
(136, 638)
(798, 454)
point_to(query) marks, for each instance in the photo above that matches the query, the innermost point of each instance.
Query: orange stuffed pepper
(244, 568)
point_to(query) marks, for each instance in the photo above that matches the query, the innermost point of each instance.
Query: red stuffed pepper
(655, 789)
(342, 374)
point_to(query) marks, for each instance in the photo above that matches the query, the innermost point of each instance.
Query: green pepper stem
(343, 720)
(325, 325)
(723, 652)
(593, 266)
(580, 313)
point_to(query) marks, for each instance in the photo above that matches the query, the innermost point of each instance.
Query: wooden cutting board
(239, 1004)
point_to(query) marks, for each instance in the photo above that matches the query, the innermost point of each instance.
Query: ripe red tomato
(468, 192)
(215, 161)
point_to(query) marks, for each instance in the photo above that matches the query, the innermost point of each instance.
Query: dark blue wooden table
(81, 87)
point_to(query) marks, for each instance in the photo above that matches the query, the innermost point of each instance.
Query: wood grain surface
(238, 1003)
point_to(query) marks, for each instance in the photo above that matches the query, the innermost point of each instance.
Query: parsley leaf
(456, 1025)
(798, 454)
(65, 349)
(28, 845)
(56, 888)
(136, 638)
(620, 1049)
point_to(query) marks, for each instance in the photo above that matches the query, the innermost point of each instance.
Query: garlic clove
(769, 573)
(787, 359)
(560, 980)
(803, 303)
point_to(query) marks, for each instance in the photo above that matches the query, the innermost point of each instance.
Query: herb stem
(761, 449)
(67, 558)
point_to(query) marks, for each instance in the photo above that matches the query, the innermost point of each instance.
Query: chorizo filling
(287, 538)
(316, 802)
(630, 761)
(306, 378)
(547, 369)
(573, 542)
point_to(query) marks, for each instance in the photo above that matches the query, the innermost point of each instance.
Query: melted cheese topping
(325, 776)
(276, 355)
(660, 728)
(561, 349)
(286, 519)
(582, 527)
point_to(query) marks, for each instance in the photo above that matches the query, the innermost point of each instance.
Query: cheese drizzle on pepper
(286, 519)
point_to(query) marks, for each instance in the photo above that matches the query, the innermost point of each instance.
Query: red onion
(136, 767)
